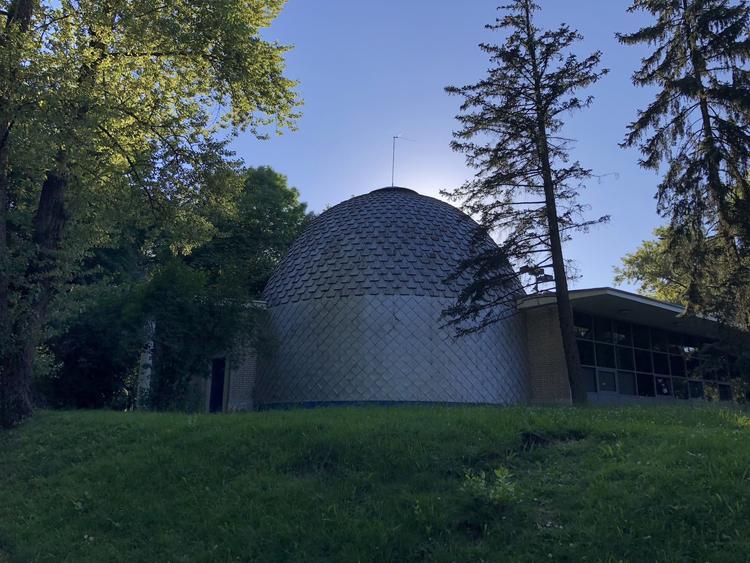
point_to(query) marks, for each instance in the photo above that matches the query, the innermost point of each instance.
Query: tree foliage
(198, 298)
(202, 304)
(104, 102)
(659, 273)
(95, 358)
(253, 237)
(698, 127)
(526, 185)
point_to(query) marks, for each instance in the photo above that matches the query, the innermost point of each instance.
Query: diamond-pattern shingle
(355, 311)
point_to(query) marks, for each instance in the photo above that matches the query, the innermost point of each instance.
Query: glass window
(646, 385)
(722, 371)
(643, 360)
(677, 364)
(621, 333)
(659, 341)
(663, 386)
(661, 363)
(734, 370)
(605, 355)
(704, 372)
(626, 382)
(693, 367)
(712, 365)
(696, 390)
(584, 325)
(586, 352)
(641, 337)
(725, 393)
(603, 329)
(625, 358)
(675, 343)
(691, 344)
(607, 381)
(680, 388)
(589, 375)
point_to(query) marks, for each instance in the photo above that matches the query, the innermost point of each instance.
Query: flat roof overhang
(629, 307)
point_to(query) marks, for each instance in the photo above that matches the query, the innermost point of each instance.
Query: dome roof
(391, 241)
(355, 312)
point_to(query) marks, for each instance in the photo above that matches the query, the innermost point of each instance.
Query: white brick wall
(242, 371)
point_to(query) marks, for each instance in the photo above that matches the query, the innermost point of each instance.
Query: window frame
(683, 373)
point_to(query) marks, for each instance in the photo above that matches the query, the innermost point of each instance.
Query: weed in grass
(496, 488)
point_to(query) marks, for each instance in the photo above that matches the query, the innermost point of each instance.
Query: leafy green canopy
(111, 111)
(253, 237)
(659, 267)
(199, 301)
(130, 95)
(661, 274)
(202, 304)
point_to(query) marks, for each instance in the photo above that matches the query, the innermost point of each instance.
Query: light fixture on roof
(538, 274)
(623, 311)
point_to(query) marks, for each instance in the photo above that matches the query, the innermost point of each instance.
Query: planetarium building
(355, 312)
(354, 315)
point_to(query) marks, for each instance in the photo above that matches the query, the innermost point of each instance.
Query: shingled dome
(355, 312)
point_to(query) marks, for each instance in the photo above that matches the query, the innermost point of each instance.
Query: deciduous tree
(659, 273)
(195, 287)
(98, 98)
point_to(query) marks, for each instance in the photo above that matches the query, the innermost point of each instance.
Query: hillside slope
(379, 484)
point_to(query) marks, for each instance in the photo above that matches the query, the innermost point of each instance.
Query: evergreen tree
(698, 125)
(525, 185)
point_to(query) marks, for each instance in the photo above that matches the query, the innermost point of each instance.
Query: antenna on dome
(393, 160)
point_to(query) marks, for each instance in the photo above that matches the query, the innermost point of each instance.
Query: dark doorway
(216, 399)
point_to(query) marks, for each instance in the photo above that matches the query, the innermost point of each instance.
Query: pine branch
(525, 186)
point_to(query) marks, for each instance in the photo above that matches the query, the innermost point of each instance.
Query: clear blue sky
(370, 70)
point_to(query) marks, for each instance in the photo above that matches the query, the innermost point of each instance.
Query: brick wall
(548, 375)
(242, 368)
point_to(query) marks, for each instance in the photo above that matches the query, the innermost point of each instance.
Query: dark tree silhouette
(525, 186)
(699, 127)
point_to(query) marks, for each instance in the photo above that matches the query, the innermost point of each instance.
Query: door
(216, 398)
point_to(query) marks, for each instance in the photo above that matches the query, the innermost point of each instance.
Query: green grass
(379, 484)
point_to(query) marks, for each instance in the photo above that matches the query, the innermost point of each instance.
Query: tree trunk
(15, 385)
(564, 308)
(717, 190)
(5, 320)
(15, 359)
(40, 282)
(14, 399)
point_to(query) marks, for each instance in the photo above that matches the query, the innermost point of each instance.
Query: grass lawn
(379, 484)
